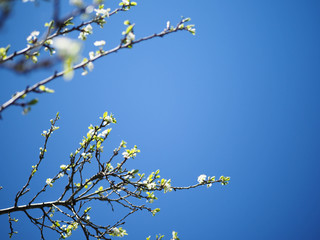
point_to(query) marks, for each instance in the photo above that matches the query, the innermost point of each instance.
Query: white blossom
(99, 43)
(67, 47)
(75, 225)
(125, 154)
(90, 66)
(168, 24)
(63, 166)
(202, 178)
(115, 231)
(108, 119)
(33, 36)
(49, 181)
(118, 232)
(85, 72)
(60, 175)
(131, 36)
(104, 133)
(167, 186)
(91, 55)
(174, 235)
(86, 155)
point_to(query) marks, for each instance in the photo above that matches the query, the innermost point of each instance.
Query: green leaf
(87, 210)
(68, 22)
(155, 211)
(186, 20)
(129, 28)
(49, 24)
(42, 88)
(33, 102)
(3, 52)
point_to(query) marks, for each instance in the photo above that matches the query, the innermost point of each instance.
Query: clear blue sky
(241, 99)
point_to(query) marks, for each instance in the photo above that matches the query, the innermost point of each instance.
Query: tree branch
(83, 64)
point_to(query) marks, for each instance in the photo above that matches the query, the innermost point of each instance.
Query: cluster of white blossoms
(118, 232)
(174, 236)
(32, 38)
(146, 186)
(125, 155)
(89, 65)
(63, 167)
(167, 186)
(108, 119)
(60, 175)
(85, 32)
(127, 3)
(209, 180)
(91, 131)
(68, 229)
(92, 56)
(129, 35)
(86, 155)
(202, 178)
(46, 133)
(47, 48)
(49, 182)
(130, 153)
(102, 12)
(104, 133)
(150, 185)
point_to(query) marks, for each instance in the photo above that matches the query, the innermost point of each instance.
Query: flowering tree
(112, 182)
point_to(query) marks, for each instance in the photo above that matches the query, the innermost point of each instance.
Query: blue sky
(241, 99)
